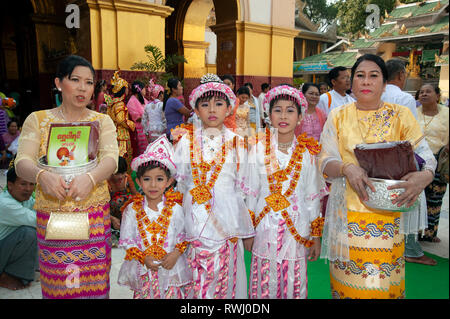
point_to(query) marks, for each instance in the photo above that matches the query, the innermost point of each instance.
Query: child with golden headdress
(118, 112)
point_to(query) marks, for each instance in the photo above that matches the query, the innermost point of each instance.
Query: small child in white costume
(152, 230)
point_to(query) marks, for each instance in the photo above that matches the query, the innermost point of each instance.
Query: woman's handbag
(386, 160)
(67, 226)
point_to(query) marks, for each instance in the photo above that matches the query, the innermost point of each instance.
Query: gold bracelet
(38, 174)
(92, 178)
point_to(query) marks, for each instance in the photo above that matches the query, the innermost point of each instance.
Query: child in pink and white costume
(286, 213)
(208, 174)
(153, 119)
(152, 230)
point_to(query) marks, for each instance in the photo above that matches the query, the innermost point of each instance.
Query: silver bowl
(382, 197)
(67, 172)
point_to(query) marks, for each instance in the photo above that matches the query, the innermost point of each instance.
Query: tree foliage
(352, 14)
(158, 66)
(320, 12)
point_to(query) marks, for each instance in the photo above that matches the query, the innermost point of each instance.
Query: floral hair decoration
(155, 89)
(285, 92)
(211, 85)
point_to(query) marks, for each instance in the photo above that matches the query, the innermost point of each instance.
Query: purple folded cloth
(419, 161)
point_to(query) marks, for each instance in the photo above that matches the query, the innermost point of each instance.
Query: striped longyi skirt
(76, 269)
(376, 269)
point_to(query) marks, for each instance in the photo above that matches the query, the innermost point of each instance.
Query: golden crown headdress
(117, 82)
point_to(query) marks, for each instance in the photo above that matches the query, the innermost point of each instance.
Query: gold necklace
(284, 146)
(425, 127)
(432, 118)
(64, 118)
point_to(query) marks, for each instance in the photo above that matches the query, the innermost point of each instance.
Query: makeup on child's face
(154, 183)
(212, 113)
(284, 116)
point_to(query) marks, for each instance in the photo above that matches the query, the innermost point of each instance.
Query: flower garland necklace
(201, 193)
(278, 201)
(159, 227)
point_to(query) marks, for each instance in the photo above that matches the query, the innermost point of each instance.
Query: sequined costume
(118, 112)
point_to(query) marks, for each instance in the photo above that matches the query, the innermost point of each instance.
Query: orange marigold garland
(317, 227)
(135, 253)
(201, 192)
(182, 246)
(179, 131)
(154, 247)
(278, 201)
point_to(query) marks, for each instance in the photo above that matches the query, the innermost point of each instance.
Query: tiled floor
(118, 292)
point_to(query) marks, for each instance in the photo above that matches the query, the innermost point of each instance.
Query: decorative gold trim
(386, 14)
(131, 6)
(386, 34)
(187, 44)
(285, 32)
(422, 29)
(403, 30)
(409, 14)
(439, 61)
(437, 7)
(229, 26)
(255, 28)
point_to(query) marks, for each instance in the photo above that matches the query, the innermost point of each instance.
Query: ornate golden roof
(403, 30)
(422, 29)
